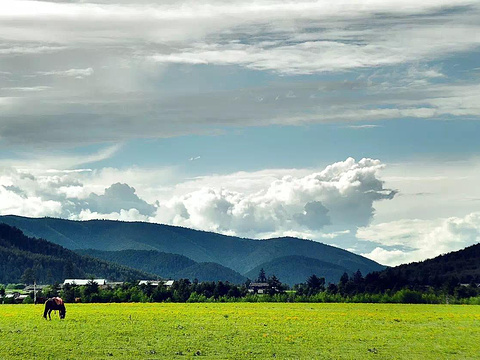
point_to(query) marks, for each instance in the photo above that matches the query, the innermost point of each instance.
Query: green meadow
(242, 330)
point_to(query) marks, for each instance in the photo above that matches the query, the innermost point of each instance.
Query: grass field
(237, 331)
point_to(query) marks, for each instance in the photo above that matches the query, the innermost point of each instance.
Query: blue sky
(354, 123)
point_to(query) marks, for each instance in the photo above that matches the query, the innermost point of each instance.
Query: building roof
(149, 282)
(84, 281)
(254, 284)
(156, 282)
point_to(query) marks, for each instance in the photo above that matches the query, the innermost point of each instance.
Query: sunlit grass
(242, 330)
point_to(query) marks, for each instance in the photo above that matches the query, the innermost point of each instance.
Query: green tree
(68, 271)
(28, 276)
(275, 285)
(262, 278)
(315, 284)
(49, 277)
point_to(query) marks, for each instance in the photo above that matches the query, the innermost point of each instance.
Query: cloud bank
(423, 238)
(336, 204)
(339, 197)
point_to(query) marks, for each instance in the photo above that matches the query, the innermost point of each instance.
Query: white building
(82, 282)
(166, 283)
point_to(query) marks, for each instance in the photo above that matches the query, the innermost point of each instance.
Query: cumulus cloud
(314, 215)
(423, 238)
(334, 205)
(339, 197)
(14, 201)
(122, 215)
(342, 195)
(118, 197)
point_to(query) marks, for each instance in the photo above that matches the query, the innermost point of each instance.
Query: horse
(55, 303)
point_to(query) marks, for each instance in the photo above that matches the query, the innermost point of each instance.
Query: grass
(242, 330)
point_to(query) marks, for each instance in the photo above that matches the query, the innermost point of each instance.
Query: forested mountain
(171, 266)
(461, 266)
(209, 271)
(50, 262)
(241, 255)
(296, 269)
(155, 262)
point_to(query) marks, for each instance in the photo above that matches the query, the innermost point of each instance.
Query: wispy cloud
(364, 126)
(46, 161)
(76, 73)
(26, 89)
(123, 50)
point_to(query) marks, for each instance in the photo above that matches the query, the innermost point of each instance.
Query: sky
(352, 123)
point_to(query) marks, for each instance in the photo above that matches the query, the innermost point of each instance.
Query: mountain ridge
(239, 254)
(166, 265)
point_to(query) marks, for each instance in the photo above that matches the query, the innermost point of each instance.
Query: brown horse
(54, 304)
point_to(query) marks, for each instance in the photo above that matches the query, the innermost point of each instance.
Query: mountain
(463, 265)
(211, 272)
(171, 266)
(241, 255)
(51, 262)
(155, 262)
(297, 269)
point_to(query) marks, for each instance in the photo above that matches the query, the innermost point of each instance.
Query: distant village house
(258, 288)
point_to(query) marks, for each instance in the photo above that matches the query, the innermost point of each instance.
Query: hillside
(444, 271)
(209, 271)
(171, 266)
(241, 255)
(52, 262)
(297, 269)
(463, 265)
(155, 262)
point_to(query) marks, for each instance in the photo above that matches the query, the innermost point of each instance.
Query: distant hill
(209, 271)
(297, 269)
(155, 262)
(52, 262)
(241, 255)
(463, 265)
(171, 266)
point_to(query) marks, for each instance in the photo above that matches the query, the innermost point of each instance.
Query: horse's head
(62, 312)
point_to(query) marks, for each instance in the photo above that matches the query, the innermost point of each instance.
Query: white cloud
(32, 88)
(118, 197)
(365, 126)
(43, 160)
(342, 195)
(423, 238)
(34, 206)
(122, 50)
(431, 188)
(336, 204)
(394, 45)
(266, 203)
(75, 73)
(122, 215)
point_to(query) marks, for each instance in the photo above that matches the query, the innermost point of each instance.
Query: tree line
(350, 288)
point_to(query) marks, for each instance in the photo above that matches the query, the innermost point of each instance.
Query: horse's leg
(45, 312)
(49, 314)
